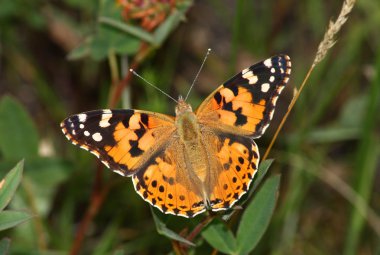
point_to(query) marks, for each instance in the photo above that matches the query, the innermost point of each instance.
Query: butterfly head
(182, 106)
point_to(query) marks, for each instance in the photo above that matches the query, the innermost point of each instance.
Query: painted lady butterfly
(195, 161)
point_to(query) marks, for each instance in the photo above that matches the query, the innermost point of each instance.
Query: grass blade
(366, 161)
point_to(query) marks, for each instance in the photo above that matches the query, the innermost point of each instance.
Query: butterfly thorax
(188, 128)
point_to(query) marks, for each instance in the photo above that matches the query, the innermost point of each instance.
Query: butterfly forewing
(245, 103)
(122, 139)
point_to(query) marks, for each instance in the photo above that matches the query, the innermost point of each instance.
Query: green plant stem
(112, 61)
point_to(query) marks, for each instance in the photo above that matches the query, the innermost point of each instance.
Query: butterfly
(195, 161)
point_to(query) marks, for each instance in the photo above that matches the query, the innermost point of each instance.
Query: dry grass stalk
(326, 44)
(334, 27)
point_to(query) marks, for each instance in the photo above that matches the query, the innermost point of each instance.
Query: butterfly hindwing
(237, 160)
(245, 103)
(166, 182)
(121, 139)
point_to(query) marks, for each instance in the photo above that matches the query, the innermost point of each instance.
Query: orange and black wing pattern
(122, 139)
(245, 104)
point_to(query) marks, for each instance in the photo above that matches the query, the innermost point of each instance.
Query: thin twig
(181, 247)
(200, 227)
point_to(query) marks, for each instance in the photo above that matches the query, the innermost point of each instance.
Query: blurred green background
(58, 58)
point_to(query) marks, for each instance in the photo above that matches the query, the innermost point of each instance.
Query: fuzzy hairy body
(196, 154)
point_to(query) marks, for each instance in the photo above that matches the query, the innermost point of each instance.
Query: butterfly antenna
(133, 71)
(199, 71)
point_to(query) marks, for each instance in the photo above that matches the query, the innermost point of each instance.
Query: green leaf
(163, 230)
(126, 28)
(257, 215)
(9, 184)
(18, 135)
(112, 34)
(4, 245)
(109, 39)
(10, 219)
(220, 237)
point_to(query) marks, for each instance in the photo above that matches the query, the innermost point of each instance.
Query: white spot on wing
(265, 87)
(86, 133)
(81, 126)
(97, 137)
(244, 71)
(268, 62)
(247, 74)
(252, 79)
(82, 117)
(271, 79)
(105, 121)
(272, 70)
